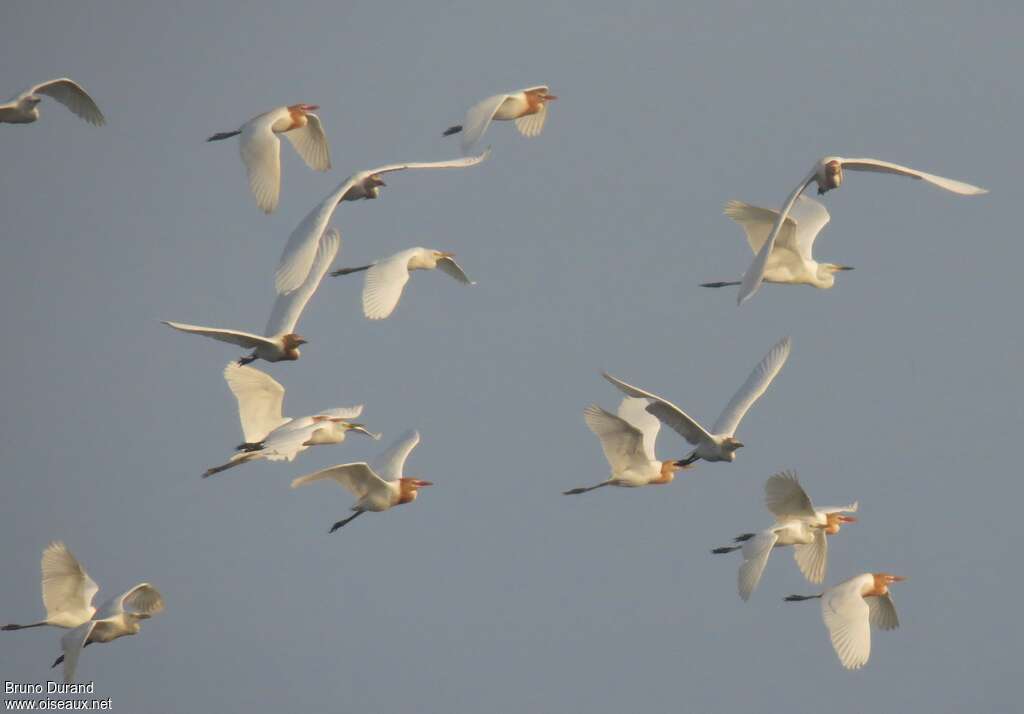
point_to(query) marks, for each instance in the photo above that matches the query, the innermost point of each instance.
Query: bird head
(833, 521)
(547, 97)
(292, 340)
(407, 488)
(356, 427)
(831, 177)
(731, 444)
(32, 100)
(306, 108)
(883, 581)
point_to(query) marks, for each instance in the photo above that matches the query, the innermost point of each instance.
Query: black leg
(339, 524)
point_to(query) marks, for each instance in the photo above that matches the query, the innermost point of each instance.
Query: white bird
(67, 590)
(272, 436)
(379, 485)
(797, 523)
(828, 174)
(23, 108)
(261, 149)
(720, 444)
(850, 608)
(117, 617)
(281, 341)
(528, 107)
(791, 260)
(300, 251)
(386, 278)
(628, 444)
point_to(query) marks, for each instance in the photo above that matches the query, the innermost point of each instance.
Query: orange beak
(310, 107)
(548, 97)
(898, 578)
(847, 519)
(420, 484)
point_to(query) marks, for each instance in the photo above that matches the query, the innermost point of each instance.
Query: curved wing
(342, 412)
(887, 167)
(448, 266)
(67, 589)
(532, 125)
(810, 217)
(384, 284)
(478, 118)
(756, 385)
(288, 441)
(755, 273)
(288, 307)
(143, 599)
(667, 412)
(391, 463)
(310, 142)
(357, 477)
(882, 612)
(757, 222)
(812, 559)
(234, 337)
(755, 557)
(300, 250)
(260, 399)
(634, 411)
(622, 443)
(71, 644)
(846, 616)
(786, 498)
(261, 153)
(74, 97)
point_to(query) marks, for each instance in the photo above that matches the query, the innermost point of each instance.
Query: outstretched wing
(143, 599)
(71, 95)
(385, 281)
(390, 464)
(634, 411)
(260, 398)
(753, 388)
(448, 266)
(67, 589)
(887, 167)
(71, 644)
(622, 443)
(755, 557)
(757, 222)
(300, 251)
(261, 153)
(846, 616)
(882, 612)
(810, 217)
(357, 477)
(310, 143)
(786, 498)
(812, 558)
(532, 125)
(678, 420)
(478, 118)
(234, 337)
(288, 307)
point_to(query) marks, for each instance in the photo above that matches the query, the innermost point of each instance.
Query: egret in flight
(379, 485)
(23, 108)
(527, 107)
(851, 608)
(791, 260)
(828, 174)
(300, 251)
(261, 149)
(67, 590)
(628, 444)
(720, 444)
(272, 436)
(797, 523)
(281, 341)
(386, 279)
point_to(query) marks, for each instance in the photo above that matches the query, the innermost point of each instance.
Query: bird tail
(452, 130)
(221, 135)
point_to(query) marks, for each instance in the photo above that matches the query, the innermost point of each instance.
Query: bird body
(379, 485)
(798, 523)
(850, 608)
(260, 148)
(23, 108)
(386, 279)
(280, 343)
(827, 173)
(720, 443)
(527, 107)
(270, 435)
(299, 253)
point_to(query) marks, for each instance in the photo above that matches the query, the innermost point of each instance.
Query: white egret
(67, 590)
(628, 444)
(379, 485)
(720, 444)
(299, 253)
(850, 608)
(272, 436)
(528, 107)
(281, 342)
(386, 278)
(797, 523)
(261, 149)
(791, 260)
(118, 617)
(23, 108)
(828, 174)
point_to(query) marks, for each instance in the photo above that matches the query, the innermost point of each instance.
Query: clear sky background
(493, 592)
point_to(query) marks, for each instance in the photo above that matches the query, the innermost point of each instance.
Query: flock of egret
(781, 240)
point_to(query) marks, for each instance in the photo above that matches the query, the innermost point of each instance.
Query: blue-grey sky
(493, 592)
